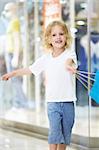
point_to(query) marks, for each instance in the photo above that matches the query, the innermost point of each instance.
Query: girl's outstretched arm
(18, 72)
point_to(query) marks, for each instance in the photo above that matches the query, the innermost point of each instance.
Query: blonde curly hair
(47, 35)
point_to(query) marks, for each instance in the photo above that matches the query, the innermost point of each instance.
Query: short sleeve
(74, 57)
(38, 66)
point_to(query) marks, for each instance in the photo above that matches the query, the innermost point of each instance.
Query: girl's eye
(61, 34)
(58, 34)
(53, 34)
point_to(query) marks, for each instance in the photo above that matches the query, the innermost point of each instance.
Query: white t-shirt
(60, 85)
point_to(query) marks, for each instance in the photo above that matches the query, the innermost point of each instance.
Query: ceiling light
(81, 23)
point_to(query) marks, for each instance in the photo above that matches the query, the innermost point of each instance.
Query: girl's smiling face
(58, 37)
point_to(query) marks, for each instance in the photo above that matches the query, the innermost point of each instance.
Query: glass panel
(11, 94)
(81, 128)
(94, 44)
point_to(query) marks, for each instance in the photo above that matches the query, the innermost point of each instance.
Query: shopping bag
(83, 76)
(94, 92)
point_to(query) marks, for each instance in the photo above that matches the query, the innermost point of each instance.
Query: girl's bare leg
(62, 147)
(53, 147)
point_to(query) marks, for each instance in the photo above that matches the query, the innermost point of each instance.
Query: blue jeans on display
(3, 88)
(18, 96)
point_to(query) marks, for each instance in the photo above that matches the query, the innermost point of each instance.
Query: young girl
(59, 66)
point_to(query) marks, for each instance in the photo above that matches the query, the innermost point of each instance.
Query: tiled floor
(15, 141)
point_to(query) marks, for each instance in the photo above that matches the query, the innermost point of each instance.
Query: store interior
(82, 16)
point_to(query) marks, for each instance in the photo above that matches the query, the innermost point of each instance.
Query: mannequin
(13, 32)
(13, 50)
(94, 44)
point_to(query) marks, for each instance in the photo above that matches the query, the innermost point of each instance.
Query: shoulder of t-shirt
(69, 51)
(43, 58)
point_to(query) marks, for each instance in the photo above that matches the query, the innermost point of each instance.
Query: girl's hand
(70, 66)
(7, 76)
(71, 69)
(18, 72)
